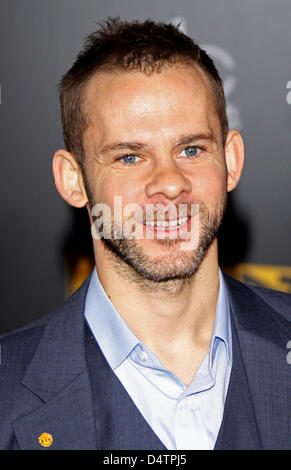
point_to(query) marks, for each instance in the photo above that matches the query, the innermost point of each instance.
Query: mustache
(148, 212)
(160, 212)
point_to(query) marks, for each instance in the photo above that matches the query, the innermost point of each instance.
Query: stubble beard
(171, 270)
(173, 266)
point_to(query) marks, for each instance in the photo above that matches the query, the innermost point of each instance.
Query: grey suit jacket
(47, 386)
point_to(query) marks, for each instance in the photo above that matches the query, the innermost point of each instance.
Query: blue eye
(129, 159)
(190, 151)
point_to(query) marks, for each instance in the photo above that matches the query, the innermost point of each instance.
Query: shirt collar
(117, 340)
(222, 323)
(114, 337)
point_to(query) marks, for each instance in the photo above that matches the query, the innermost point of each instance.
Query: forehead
(131, 101)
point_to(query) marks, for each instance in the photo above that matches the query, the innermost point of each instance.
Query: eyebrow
(124, 146)
(136, 146)
(188, 139)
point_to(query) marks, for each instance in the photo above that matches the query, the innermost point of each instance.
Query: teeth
(160, 225)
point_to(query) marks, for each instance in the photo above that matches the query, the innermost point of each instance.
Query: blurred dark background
(45, 245)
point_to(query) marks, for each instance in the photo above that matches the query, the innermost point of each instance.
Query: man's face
(156, 139)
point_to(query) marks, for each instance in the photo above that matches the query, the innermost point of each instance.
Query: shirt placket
(188, 416)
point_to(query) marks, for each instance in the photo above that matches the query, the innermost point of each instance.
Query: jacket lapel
(119, 423)
(67, 417)
(58, 376)
(239, 428)
(262, 335)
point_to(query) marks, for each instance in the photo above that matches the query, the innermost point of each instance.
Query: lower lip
(170, 230)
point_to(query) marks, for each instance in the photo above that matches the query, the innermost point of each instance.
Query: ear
(234, 156)
(68, 179)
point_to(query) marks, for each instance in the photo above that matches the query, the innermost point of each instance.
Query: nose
(168, 180)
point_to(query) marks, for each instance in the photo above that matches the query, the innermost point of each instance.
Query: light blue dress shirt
(182, 417)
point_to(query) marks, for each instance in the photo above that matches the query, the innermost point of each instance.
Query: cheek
(209, 185)
(108, 187)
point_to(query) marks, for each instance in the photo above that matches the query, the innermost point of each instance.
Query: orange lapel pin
(45, 439)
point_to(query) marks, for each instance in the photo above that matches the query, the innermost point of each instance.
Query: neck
(173, 312)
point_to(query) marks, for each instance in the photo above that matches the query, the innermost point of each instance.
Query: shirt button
(142, 356)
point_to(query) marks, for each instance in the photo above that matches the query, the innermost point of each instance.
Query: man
(158, 349)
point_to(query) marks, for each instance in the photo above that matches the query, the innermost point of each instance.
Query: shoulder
(277, 300)
(18, 346)
(29, 331)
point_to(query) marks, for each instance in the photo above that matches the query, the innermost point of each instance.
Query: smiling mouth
(167, 225)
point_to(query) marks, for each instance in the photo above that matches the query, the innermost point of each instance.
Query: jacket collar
(254, 317)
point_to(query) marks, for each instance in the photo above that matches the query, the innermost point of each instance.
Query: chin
(170, 263)
(162, 260)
